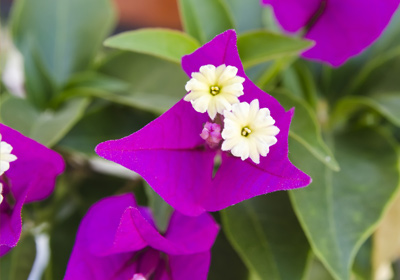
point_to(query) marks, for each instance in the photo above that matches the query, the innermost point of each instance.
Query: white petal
(4, 166)
(5, 148)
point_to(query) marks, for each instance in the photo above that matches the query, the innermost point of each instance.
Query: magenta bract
(176, 161)
(118, 240)
(340, 28)
(30, 178)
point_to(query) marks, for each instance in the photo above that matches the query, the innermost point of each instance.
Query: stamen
(246, 131)
(214, 90)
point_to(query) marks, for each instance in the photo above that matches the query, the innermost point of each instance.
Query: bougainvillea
(173, 154)
(118, 240)
(341, 29)
(30, 170)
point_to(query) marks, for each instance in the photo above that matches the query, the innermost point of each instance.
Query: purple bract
(118, 240)
(31, 177)
(340, 28)
(177, 162)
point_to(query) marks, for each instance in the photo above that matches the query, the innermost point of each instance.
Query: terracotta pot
(148, 13)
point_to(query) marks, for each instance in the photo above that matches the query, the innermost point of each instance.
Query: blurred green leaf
(23, 256)
(95, 80)
(163, 43)
(103, 123)
(225, 262)
(155, 84)
(306, 130)
(259, 46)
(299, 80)
(46, 127)
(59, 37)
(247, 15)
(317, 271)
(268, 237)
(205, 19)
(339, 210)
(161, 210)
(362, 268)
(386, 104)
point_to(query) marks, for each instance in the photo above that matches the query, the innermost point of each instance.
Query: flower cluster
(27, 173)
(176, 153)
(248, 131)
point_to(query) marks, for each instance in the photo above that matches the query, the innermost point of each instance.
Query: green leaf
(306, 130)
(23, 256)
(339, 210)
(300, 81)
(156, 84)
(247, 15)
(205, 19)
(225, 262)
(317, 271)
(259, 46)
(103, 123)
(163, 43)
(363, 267)
(161, 210)
(62, 35)
(268, 237)
(46, 127)
(386, 104)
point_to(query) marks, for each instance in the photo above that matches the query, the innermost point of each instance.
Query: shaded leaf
(259, 46)
(205, 19)
(57, 37)
(225, 262)
(155, 84)
(163, 43)
(386, 104)
(362, 267)
(268, 237)
(23, 256)
(305, 129)
(103, 123)
(247, 15)
(161, 210)
(46, 127)
(339, 210)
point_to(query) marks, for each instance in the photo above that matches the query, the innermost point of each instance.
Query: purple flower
(340, 28)
(173, 154)
(27, 173)
(118, 240)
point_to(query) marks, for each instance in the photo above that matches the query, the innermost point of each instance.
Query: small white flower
(248, 131)
(214, 89)
(5, 156)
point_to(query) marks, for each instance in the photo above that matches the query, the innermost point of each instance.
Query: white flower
(214, 89)
(248, 131)
(5, 156)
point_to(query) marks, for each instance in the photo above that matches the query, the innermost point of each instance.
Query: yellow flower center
(246, 131)
(214, 90)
